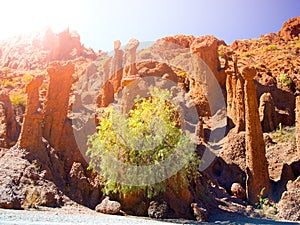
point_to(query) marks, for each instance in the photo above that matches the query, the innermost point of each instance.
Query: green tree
(148, 137)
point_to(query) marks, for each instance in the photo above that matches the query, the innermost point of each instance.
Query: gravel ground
(66, 217)
(12, 217)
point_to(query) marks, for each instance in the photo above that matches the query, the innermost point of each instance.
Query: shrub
(247, 54)
(18, 98)
(8, 83)
(182, 74)
(273, 47)
(27, 78)
(285, 79)
(146, 137)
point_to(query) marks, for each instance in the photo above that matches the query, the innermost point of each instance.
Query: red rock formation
(116, 71)
(206, 47)
(31, 134)
(235, 98)
(290, 29)
(182, 40)
(56, 106)
(256, 162)
(267, 112)
(106, 96)
(9, 129)
(130, 58)
(130, 71)
(65, 45)
(35, 51)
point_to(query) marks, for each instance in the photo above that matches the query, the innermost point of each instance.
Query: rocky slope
(52, 88)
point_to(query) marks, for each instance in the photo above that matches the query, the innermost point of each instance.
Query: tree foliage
(147, 146)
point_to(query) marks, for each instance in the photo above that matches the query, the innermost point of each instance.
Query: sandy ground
(78, 215)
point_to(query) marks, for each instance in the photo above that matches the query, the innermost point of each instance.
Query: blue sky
(99, 22)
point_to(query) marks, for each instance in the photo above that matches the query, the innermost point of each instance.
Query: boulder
(158, 210)
(238, 191)
(109, 207)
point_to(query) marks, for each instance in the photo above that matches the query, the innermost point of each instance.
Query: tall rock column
(267, 112)
(256, 162)
(56, 106)
(31, 133)
(116, 71)
(235, 99)
(130, 58)
(130, 70)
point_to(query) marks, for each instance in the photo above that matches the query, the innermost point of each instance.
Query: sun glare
(20, 16)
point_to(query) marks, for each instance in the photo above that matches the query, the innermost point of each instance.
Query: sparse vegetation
(284, 134)
(266, 205)
(221, 53)
(261, 200)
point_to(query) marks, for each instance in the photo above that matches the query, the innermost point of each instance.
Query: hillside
(239, 103)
